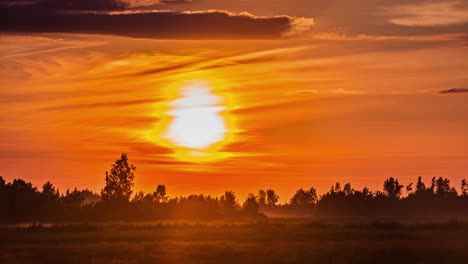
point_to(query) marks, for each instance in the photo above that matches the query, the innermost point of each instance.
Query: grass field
(266, 241)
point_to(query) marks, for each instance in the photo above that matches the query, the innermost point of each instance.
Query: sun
(196, 122)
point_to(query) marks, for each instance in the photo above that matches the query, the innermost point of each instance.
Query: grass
(266, 241)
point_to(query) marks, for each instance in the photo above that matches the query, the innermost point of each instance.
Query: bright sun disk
(197, 123)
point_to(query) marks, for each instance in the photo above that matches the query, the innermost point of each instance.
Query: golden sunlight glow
(197, 123)
(194, 121)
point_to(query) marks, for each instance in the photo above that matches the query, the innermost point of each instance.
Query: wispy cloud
(454, 91)
(429, 14)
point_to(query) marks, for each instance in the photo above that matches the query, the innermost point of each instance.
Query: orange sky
(307, 108)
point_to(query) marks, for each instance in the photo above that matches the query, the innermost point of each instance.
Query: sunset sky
(214, 95)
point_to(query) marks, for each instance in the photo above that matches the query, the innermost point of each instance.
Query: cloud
(429, 14)
(93, 5)
(300, 25)
(214, 63)
(248, 58)
(351, 17)
(115, 17)
(454, 91)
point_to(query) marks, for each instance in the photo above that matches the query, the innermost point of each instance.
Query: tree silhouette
(392, 188)
(464, 188)
(160, 194)
(348, 190)
(251, 205)
(119, 181)
(443, 187)
(304, 198)
(49, 192)
(73, 199)
(272, 197)
(228, 201)
(262, 197)
(420, 186)
(433, 185)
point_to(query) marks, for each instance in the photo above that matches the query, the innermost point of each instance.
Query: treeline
(439, 199)
(20, 201)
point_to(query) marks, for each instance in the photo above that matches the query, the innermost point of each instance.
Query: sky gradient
(310, 92)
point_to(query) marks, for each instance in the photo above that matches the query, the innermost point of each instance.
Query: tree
(392, 188)
(119, 181)
(138, 197)
(71, 204)
(420, 186)
(160, 195)
(73, 199)
(272, 197)
(251, 206)
(336, 188)
(49, 192)
(442, 186)
(367, 193)
(228, 201)
(24, 200)
(348, 190)
(304, 198)
(464, 188)
(433, 185)
(262, 197)
(3, 196)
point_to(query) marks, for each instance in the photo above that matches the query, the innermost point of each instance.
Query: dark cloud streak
(454, 91)
(89, 5)
(178, 25)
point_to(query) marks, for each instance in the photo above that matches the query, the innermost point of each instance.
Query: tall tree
(119, 181)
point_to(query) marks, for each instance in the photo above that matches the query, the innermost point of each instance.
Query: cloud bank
(86, 4)
(118, 17)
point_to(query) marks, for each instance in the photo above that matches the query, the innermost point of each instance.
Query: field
(264, 241)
